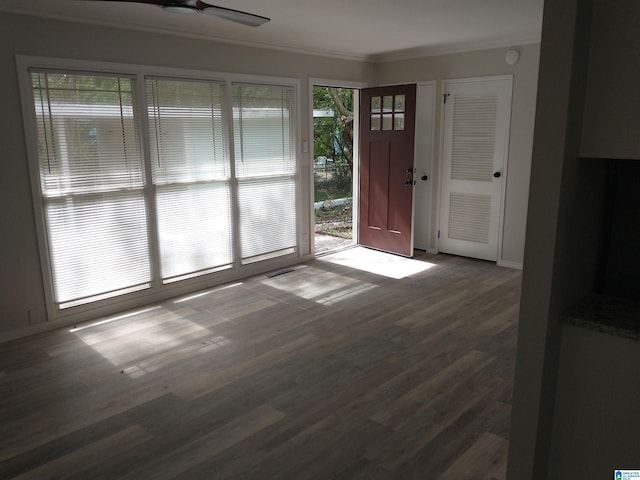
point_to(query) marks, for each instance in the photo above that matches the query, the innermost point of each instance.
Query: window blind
(191, 171)
(103, 201)
(263, 121)
(91, 178)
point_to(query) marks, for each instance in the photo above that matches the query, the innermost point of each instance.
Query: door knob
(497, 174)
(424, 177)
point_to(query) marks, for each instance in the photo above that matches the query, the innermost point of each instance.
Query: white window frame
(158, 291)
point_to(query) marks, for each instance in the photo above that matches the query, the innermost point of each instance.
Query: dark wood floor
(325, 372)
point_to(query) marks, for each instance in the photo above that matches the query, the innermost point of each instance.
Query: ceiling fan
(201, 6)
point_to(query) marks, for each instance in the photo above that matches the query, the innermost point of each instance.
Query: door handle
(497, 174)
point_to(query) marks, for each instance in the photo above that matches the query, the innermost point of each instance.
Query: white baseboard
(26, 331)
(508, 264)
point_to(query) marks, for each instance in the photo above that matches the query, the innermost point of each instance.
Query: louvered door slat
(469, 217)
(474, 131)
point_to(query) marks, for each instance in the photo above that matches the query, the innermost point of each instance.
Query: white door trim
(423, 162)
(444, 84)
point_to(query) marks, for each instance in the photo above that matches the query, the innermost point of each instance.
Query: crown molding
(434, 51)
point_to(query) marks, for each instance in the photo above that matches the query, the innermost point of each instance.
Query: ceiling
(373, 30)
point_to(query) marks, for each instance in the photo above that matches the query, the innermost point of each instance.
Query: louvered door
(476, 131)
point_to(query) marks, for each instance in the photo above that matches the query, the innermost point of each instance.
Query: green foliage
(333, 135)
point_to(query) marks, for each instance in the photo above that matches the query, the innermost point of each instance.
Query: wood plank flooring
(325, 372)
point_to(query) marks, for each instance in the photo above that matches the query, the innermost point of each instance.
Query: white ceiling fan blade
(235, 15)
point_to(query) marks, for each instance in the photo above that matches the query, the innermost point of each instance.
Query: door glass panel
(375, 104)
(387, 121)
(375, 122)
(387, 103)
(398, 121)
(399, 103)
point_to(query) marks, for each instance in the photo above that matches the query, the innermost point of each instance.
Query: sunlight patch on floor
(157, 362)
(379, 263)
(344, 294)
(204, 293)
(318, 285)
(112, 319)
(148, 339)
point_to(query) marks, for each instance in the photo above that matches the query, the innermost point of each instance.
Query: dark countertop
(606, 314)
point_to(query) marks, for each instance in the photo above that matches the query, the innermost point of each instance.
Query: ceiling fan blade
(150, 2)
(237, 16)
(193, 6)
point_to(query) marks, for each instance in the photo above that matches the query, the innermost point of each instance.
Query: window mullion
(228, 120)
(141, 113)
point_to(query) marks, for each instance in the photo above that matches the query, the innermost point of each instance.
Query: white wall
(596, 421)
(479, 64)
(564, 227)
(21, 285)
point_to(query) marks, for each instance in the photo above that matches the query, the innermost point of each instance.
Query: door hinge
(444, 96)
(438, 233)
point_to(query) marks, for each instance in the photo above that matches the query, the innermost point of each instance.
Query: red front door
(387, 130)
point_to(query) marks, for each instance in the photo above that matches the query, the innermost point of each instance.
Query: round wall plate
(512, 57)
